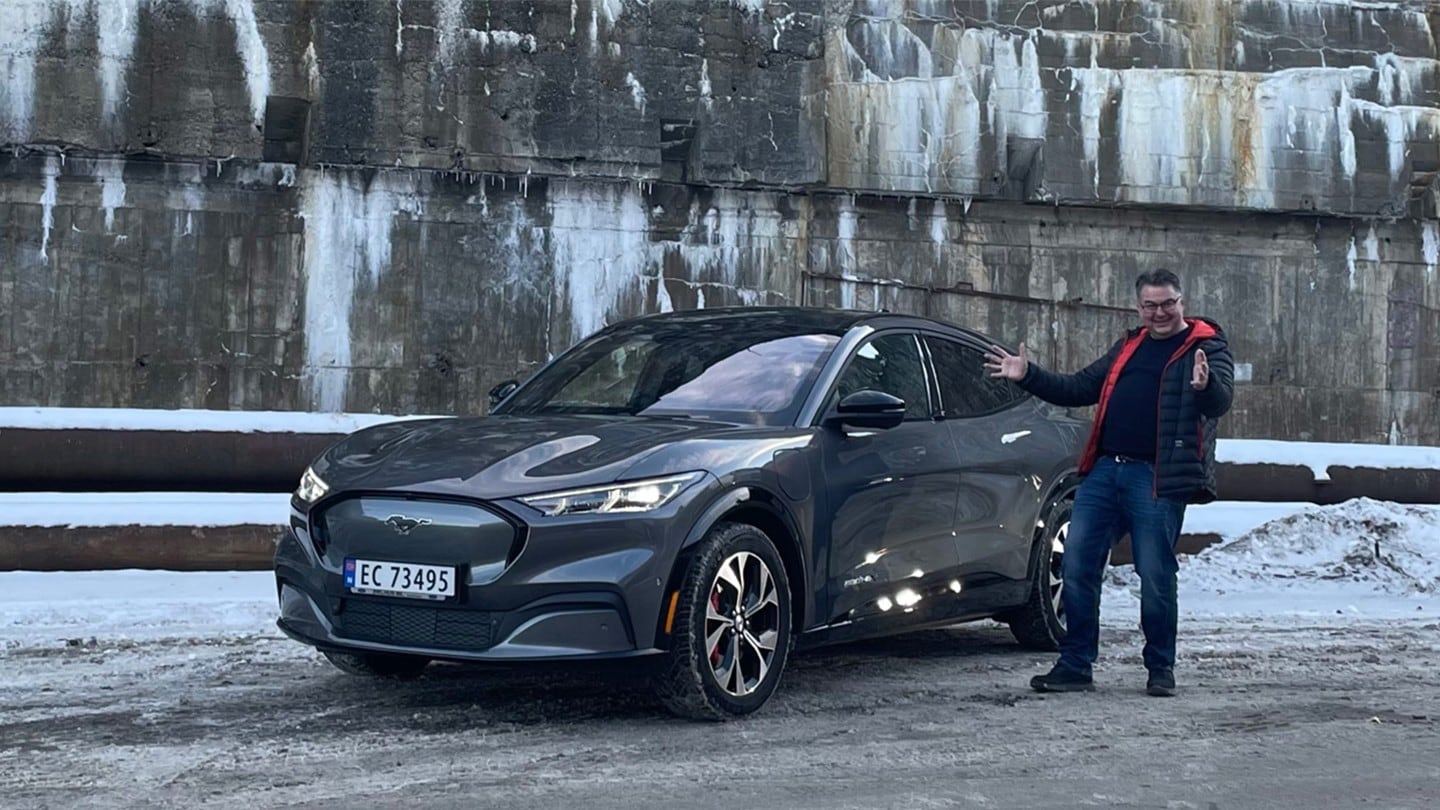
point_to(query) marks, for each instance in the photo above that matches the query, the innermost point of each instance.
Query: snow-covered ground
(1308, 664)
(1359, 559)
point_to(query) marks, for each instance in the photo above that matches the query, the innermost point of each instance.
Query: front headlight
(629, 496)
(311, 488)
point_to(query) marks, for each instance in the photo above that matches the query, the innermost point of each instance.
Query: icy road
(1309, 673)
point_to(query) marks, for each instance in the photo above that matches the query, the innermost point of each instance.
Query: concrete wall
(390, 206)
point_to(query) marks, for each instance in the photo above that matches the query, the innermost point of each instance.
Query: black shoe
(1161, 683)
(1061, 679)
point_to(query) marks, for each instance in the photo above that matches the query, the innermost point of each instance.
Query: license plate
(399, 579)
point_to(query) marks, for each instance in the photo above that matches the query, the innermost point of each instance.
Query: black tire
(1039, 624)
(718, 666)
(378, 665)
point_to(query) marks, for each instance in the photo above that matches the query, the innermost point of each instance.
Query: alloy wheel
(742, 623)
(1057, 567)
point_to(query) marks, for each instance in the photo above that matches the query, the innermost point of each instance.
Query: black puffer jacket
(1188, 419)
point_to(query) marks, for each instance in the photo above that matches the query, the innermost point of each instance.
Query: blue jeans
(1118, 497)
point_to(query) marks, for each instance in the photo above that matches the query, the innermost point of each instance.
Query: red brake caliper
(715, 605)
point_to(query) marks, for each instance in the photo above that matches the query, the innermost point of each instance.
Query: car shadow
(452, 697)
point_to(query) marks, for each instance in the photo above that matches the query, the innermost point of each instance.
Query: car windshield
(748, 370)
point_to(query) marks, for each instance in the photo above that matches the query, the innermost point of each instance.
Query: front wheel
(1040, 623)
(378, 665)
(732, 627)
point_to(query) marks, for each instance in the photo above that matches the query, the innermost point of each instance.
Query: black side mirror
(868, 410)
(501, 391)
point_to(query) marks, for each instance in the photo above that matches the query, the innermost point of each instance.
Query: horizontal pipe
(220, 548)
(105, 548)
(85, 460)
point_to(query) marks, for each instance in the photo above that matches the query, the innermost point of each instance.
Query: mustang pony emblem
(404, 525)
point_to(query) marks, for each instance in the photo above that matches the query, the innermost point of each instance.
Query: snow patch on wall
(117, 23)
(734, 230)
(51, 171)
(1350, 256)
(449, 19)
(637, 91)
(29, 23)
(253, 55)
(846, 229)
(110, 172)
(939, 223)
(348, 226)
(600, 246)
(1430, 245)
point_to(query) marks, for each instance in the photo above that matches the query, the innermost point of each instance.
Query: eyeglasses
(1168, 304)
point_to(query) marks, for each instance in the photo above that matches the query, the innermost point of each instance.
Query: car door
(999, 484)
(891, 493)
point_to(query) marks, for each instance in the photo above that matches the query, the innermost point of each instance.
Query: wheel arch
(1062, 488)
(754, 506)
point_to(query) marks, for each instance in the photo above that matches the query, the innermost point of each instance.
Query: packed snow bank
(1230, 519)
(1362, 556)
(84, 608)
(1321, 456)
(144, 509)
(191, 420)
(1394, 548)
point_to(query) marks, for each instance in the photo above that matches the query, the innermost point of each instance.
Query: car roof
(820, 319)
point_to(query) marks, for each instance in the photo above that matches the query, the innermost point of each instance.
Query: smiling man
(1161, 390)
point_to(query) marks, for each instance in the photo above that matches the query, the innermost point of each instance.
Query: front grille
(408, 625)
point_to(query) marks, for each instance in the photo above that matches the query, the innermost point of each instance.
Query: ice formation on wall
(47, 203)
(913, 96)
(29, 24)
(111, 173)
(601, 248)
(1430, 245)
(348, 227)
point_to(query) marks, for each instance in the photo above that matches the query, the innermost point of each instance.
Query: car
(702, 491)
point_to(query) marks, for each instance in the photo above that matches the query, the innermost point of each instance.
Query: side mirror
(868, 410)
(501, 391)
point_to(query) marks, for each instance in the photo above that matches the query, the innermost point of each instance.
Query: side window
(889, 363)
(610, 381)
(966, 388)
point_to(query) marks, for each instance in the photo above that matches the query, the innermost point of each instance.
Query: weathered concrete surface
(391, 206)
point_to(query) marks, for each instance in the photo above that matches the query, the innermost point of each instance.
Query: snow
(1363, 560)
(189, 420)
(1233, 518)
(53, 609)
(1320, 456)
(144, 508)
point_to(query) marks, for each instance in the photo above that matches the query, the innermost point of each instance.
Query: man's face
(1162, 311)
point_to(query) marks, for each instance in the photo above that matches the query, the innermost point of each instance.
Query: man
(1160, 390)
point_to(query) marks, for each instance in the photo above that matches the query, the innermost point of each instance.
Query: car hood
(505, 456)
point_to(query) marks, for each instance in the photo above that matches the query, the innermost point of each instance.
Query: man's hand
(1201, 377)
(1004, 364)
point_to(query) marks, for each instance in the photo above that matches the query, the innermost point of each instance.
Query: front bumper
(581, 587)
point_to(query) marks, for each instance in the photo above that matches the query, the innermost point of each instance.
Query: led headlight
(629, 496)
(311, 488)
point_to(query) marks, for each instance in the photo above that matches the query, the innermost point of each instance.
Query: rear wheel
(731, 628)
(378, 665)
(1040, 623)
